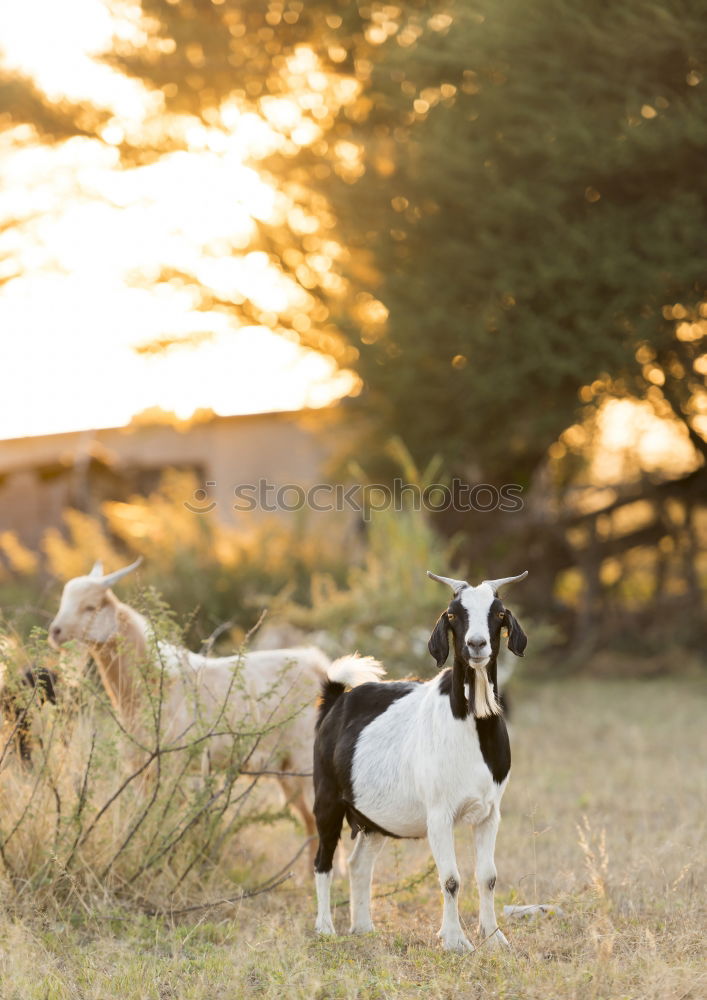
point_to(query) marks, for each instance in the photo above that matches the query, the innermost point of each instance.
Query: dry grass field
(604, 817)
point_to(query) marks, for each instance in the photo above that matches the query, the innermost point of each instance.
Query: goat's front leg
(440, 833)
(361, 861)
(485, 836)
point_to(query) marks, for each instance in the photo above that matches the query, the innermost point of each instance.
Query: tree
(22, 103)
(531, 206)
(519, 185)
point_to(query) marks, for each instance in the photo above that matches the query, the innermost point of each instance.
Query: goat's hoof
(325, 928)
(496, 939)
(456, 942)
(361, 927)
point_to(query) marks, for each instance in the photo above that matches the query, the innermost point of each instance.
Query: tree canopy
(532, 206)
(23, 103)
(519, 185)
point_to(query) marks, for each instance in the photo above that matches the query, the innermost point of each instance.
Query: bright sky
(70, 322)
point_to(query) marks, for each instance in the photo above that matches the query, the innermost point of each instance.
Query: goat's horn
(97, 569)
(456, 585)
(495, 584)
(112, 578)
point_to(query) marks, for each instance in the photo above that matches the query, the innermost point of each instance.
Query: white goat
(412, 759)
(273, 686)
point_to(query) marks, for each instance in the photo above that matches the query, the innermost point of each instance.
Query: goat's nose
(55, 631)
(476, 642)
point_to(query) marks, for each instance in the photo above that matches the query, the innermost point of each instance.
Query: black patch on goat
(495, 746)
(493, 735)
(517, 639)
(451, 885)
(438, 644)
(43, 681)
(357, 821)
(330, 694)
(343, 715)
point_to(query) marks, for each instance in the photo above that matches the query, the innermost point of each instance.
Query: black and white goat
(15, 702)
(412, 759)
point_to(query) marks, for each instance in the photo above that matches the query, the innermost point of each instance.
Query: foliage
(386, 606)
(512, 192)
(374, 597)
(103, 811)
(531, 211)
(205, 569)
(23, 103)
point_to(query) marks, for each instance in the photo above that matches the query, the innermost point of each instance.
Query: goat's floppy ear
(439, 641)
(517, 639)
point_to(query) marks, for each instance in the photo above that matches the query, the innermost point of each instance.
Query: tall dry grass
(604, 817)
(104, 814)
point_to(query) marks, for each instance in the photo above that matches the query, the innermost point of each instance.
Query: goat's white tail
(354, 669)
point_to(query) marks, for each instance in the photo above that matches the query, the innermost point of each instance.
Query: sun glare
(92, 242)
(632, 437)
(59, 56)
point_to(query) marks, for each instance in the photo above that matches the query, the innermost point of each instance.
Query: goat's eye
(90, 607)
(501, 615)
(451, 618)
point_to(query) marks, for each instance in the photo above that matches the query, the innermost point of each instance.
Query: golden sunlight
(85, 260)
(630, 433)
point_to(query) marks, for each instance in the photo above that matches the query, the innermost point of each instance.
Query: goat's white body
(261, 688)
(414, 759)
(267, 696)
(241, 693)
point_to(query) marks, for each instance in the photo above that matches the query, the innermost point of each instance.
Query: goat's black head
(475, 617)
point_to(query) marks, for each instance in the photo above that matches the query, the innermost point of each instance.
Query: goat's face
(475, 617)
(87, 612)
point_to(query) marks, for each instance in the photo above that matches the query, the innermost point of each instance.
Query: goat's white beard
(485, 703)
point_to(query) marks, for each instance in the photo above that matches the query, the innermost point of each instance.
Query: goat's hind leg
(361, 862)
(295, 790)
(329, 823)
